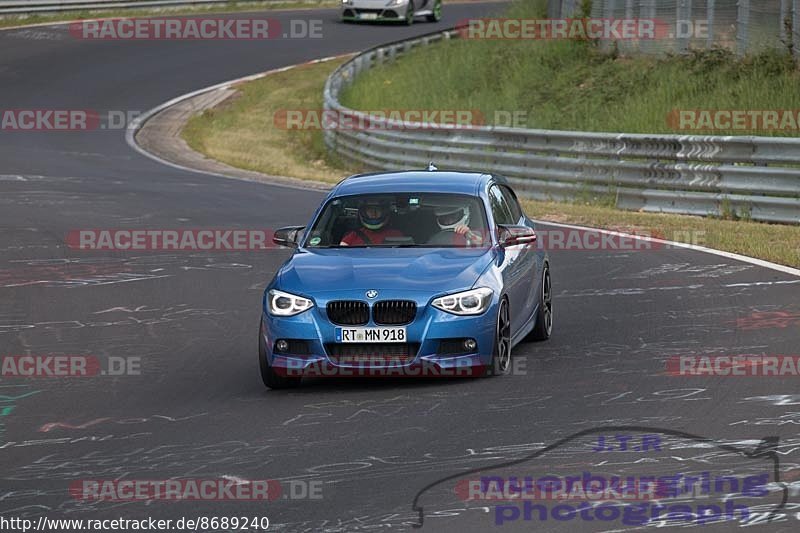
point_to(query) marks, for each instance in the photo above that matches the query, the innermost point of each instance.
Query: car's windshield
(400, 220)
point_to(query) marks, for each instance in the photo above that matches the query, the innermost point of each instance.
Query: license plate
(370, 334)
(368, 16)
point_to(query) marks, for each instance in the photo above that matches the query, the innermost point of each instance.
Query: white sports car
(391, 10)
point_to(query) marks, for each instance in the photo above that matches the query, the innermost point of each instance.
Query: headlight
(284, 304)
(396, 3)
(473, 302)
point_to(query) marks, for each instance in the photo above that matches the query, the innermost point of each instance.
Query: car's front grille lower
(348, 312)
(368, 352)
(394, 312)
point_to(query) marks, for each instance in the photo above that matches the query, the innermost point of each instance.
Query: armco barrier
(16, 7)
(752, 176)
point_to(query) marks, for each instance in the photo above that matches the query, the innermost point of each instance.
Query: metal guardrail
(16, 7)
(756, 177)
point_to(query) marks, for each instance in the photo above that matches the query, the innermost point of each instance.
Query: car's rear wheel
(544, 316)
(410, 14)
(501, 354)
(268, 375)
(436, 16)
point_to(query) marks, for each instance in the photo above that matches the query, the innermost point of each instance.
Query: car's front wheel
(436, 16)
(501, 354)
(272, 379)
(544, 316)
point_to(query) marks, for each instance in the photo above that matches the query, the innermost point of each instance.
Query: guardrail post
(743, 27)
(647, 10)
(784, 18)
(683, 15)
(710, 12)
(608, 13)
(796, 29)
(611, 5)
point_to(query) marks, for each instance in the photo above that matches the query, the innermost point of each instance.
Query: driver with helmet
(373, 216)
(454, 230)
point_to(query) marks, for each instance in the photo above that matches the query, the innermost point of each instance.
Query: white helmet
(450, 216)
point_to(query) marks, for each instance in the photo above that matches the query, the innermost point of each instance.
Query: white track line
(139, 121)
(729, 255)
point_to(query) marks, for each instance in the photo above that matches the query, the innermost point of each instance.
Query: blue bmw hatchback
(406, 274)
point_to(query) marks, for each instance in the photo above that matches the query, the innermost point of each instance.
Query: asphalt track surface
(198, 409)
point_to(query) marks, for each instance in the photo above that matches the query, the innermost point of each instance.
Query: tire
(501, 352)
(268, 375)
(544, 316)
(409, 20)
(436, 16)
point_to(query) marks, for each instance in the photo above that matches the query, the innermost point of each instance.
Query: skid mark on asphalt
(689, 270)
(636, 291)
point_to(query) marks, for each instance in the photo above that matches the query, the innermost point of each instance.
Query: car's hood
(414, 269)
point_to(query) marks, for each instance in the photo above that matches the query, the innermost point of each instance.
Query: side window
(500, 210)
(512, 203)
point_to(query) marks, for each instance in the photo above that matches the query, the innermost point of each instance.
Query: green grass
(230, 7)
(569, 85)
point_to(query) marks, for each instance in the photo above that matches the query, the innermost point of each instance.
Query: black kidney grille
(394, 312)
(348, 312)
(371, 351)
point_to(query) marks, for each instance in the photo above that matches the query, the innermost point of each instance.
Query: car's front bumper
(372, 11)
(425, 334)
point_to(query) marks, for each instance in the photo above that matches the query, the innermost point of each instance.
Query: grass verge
(242, 133)
(7, 21)
(570, 85)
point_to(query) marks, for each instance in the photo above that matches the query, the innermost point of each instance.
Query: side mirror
(508, 235)
(288, 236)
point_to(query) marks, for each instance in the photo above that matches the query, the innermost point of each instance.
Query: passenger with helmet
(373, 216)
(454, 230)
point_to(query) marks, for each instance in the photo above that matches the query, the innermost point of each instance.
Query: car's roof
(412, 181)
